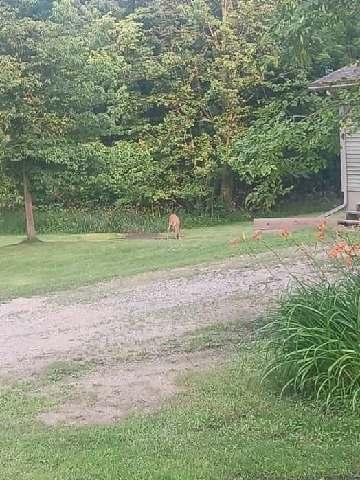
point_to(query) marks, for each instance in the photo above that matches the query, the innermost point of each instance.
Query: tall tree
(291, 133)
(62, 82)
(198, 103)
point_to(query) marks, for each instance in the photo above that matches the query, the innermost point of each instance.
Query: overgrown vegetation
(109, 220)
(315, 338)
(200, 105)
(57, 219)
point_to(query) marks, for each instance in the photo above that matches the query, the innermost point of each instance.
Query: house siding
(352, 148)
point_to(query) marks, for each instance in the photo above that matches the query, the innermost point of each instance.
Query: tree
(61, 84)
(319, 33)
(292, 133)
(207, 56)
(205, 102)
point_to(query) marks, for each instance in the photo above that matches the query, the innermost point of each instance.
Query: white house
(346, 77)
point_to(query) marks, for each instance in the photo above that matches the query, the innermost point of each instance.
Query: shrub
(315, 341)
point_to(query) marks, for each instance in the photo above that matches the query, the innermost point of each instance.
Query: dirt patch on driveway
(110, 394)
(111, 323)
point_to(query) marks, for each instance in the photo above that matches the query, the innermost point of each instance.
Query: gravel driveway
(111, 323)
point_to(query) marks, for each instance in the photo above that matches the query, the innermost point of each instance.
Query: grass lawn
(227, 426)
(63, 261)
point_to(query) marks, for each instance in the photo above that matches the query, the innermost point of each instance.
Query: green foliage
(315, 339)
(9, 196)
(120, 218)
(198, 105)
(320, 33)
(93, 174)
(276, 149)
(79, 220)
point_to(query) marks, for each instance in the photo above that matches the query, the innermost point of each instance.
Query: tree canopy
(198, 103)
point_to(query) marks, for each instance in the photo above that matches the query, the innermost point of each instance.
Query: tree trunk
(30, 224)
(226, 8)
(227, 187)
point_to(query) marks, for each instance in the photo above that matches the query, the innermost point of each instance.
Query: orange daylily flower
(337, 249)
(320, 235)
(322, 225)
(346, 251)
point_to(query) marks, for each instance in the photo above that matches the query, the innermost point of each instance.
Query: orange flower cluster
(346, 251)
(256, 235)
(321, 230)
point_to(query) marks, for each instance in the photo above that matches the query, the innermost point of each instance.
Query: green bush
(315, 339)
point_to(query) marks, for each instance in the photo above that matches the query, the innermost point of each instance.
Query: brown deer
(174, 225)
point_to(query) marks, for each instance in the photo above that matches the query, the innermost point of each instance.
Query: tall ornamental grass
(315, 341)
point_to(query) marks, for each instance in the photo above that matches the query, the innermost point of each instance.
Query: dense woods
(201, 104)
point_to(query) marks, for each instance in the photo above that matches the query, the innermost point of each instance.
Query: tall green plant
(315, 342)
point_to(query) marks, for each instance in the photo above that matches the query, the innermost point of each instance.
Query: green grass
(227, 426)
(62, 369)
(315, 335)
(63, 261)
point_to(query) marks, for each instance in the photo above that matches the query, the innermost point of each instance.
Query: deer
(174, 225)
